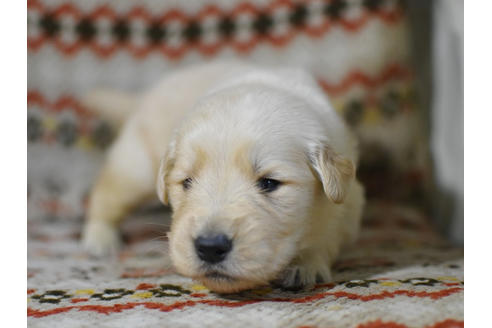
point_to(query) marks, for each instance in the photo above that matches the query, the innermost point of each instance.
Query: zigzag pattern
(116, 308)
(354, 78)
(390, 72)
(64, 103)
(52, 129)
(241, 29)
(86, 129)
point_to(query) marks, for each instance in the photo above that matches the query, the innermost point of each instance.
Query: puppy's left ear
(335, 171)
(165, 167)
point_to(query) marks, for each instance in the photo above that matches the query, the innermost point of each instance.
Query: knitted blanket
(399, 274)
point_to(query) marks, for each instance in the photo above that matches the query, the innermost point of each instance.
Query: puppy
(256, 164)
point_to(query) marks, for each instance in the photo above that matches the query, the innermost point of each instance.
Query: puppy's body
(255, 156)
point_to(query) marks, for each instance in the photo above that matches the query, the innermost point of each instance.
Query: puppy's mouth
(217, 279)
(218, 276)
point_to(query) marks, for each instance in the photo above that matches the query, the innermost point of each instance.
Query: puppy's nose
(213, 249)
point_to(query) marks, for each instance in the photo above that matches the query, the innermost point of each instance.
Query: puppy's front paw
(100, 238)
(303, 274)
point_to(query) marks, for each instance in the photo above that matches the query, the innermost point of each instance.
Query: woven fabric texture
(399, 274)
(357, 50)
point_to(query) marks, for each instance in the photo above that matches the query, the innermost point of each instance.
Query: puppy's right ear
(165, 167)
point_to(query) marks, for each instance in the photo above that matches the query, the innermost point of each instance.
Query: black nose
(213, 249)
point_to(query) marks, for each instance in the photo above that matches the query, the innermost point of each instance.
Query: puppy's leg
(126, 179)
(333, 226)
(305, 270)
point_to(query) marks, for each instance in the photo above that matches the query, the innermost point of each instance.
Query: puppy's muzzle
(213, 249)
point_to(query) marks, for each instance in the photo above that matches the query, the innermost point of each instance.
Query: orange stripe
(393, 71)
(64, 103)
(78, 300)
(381, 324)
(449, 323)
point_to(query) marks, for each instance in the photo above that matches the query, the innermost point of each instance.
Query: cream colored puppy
(257, 166)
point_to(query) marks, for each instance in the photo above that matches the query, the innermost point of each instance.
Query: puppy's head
(242, 178)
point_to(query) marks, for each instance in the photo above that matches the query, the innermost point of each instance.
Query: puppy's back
(163, 107)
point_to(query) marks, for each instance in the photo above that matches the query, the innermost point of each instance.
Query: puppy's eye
(268, 185)
(187, 183)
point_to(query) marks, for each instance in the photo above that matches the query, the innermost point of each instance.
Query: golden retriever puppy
(256, 164)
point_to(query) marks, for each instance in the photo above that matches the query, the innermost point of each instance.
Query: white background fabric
(447, 111)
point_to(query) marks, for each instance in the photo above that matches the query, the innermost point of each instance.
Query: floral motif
(169, 290)
(112, 294)
(51, 296)
(360, 283)
(421, 281)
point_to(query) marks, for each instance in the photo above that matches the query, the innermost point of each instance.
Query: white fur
(226, 125)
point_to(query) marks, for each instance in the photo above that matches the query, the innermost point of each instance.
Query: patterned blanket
(399, 274)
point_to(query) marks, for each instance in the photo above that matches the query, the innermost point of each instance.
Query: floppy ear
(334, 171)
(165, 167)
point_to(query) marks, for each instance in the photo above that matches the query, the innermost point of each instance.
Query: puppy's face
(241, 200)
